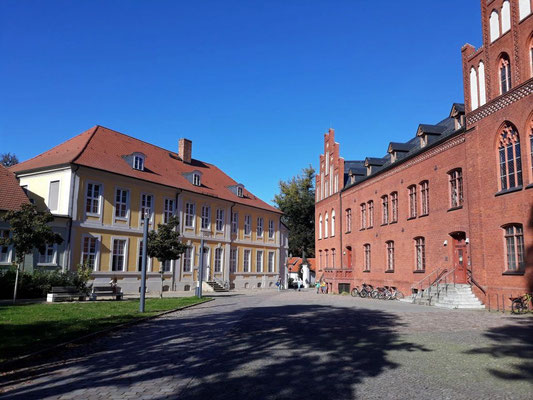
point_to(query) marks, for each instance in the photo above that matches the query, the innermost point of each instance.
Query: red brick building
(456, 199)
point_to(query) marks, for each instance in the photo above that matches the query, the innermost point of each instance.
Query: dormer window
(196, 179)
(239, 191)
(138, 162)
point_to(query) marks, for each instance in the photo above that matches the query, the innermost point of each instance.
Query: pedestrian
(317, 286)
(323, 286)
(299, 285)
(278, 284)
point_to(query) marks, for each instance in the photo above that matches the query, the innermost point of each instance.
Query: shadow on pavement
(514, 340)
(265, 353)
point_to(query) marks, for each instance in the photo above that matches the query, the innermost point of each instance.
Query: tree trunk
(16, 283)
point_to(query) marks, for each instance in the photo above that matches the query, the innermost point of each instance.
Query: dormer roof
(375, 162)
(402, 147)
(425, 129)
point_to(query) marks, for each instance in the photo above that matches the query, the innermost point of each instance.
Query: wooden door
(460, 257)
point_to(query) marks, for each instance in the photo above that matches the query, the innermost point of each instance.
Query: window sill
(389, 271)
(423, 215)
(514, 273)
(410, 218)
(393, 222)
(455, 208)
(47, 265)
(385, 224)
(370, 227)
(92, 215)
(362, 229)
(366, 270)
(419, 271)
(530, 186)
(511, 190)
(348, 232)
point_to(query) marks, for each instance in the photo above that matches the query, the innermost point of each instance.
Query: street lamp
(143, 269)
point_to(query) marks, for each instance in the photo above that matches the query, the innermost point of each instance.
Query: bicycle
(355, 292)
(520, 305)
(395, 294)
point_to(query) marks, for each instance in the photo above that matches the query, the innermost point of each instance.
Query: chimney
(185, 150)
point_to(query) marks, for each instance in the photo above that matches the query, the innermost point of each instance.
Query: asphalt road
(294, 345)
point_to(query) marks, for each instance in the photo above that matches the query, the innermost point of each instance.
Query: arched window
(531, 146)
(326, 223)
(509, 157)
(514, 247)
(506, 16)
(530, 55)
(494, 26)
(474, 103)
(332, 223)
(525, 8)
(320, 226)
(481, 83)
(505, 74)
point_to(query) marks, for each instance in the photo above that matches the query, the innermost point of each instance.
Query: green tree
(30, 229)
(164, 244)
(297, 201)
(8, 159)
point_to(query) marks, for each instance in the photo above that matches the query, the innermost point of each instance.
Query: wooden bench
(102, 291)
(64, 293)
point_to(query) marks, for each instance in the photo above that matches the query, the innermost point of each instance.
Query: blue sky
(254, 84)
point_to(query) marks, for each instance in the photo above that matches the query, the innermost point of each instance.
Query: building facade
(102, 182)
(458, 197)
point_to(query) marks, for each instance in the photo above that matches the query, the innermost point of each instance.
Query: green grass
(27, 328)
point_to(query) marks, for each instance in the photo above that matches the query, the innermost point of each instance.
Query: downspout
(71, 220)
(340, 225)
(233, 204)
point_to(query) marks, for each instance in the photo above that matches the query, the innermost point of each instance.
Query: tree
(297, 201)
(164, 244)
(29, 230)
(8, 159)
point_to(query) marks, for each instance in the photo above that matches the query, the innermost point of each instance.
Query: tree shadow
(291, 351)
(513, 340)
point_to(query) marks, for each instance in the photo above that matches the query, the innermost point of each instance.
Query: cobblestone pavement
(271, 345)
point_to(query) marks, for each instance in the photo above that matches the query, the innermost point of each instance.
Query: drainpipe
(177, 262)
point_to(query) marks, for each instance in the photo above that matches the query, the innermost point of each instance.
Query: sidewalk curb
(94, 334)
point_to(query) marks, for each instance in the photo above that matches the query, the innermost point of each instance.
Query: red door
(348, 257)
(460, 257)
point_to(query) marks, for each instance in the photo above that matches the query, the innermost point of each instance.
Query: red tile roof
(295, 262)
(104, 149)
(11, 194)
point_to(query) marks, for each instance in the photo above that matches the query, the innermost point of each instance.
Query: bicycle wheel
(399, 295)
(517, 307)
(381, 295)
(374, 294)
(363, 293)
(354, 292)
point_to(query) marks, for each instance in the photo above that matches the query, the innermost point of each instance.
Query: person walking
(317, 286)
(323, 286)
(299, 285)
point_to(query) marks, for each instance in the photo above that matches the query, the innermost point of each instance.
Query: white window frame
(148, 259)
(138, 162)
(112, 254)
(332, 223)
(141, 219)
(168, 212)
(47, 247)
(235, 223)
(271, 229)
(219, 260)
(271, 261)
(190, 259)
(190, 212)
(196, 179)
(99, 199)
(247, 225)
(240, 192)
(246, 261)
(259, 258)
(219, 222)
(260, 230)
(233, 259)
(171, 267)
(9, 249)
(98, 239)
(127, 204)
(206, 217)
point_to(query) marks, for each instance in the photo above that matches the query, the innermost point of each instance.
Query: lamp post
(143, 269)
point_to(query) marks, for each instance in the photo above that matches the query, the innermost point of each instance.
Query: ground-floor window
(88, 252)
(167, 266)
(233, 260)
(271, 255)
(118, 261)
(514, 246)
(218, 259)
(390, 255)
(367, 256)
(259, 263)
(47, 256)
(420, 251)
(4, 250)
(246, 261)
(187, 259)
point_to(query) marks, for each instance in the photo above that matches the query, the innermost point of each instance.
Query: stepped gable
(105, 149)
(433, 133)
(12, 196)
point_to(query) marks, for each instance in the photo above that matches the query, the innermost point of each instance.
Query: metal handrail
(471, 279)
(419, 285)
(222, 283)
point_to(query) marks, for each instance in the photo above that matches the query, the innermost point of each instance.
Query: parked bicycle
(520, 305)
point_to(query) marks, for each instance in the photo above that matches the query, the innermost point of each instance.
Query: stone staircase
(217, 287)
(448, 295)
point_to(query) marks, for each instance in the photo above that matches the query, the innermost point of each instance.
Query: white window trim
(249, 260)
(173, 207)
(100, 200)
(54, 256)
(138, 157)
(192, 247)
(208, 229)
(273, 253)
(262, 225)
(249, 217)
(273, 223)
(152, 213)
(262, 254)
(128, 209)
(196, 177)
(235, 222)
(9, 249)
(221, 260)
(97, 249)
(190, 227)
(112, 248)
(223, 219)
(236, 259)
(148, 259)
